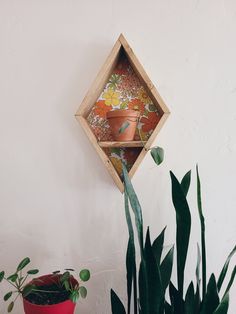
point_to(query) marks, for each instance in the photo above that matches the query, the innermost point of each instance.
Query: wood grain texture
(122, 144)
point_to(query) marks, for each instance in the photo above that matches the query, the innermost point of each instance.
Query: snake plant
(147, 286)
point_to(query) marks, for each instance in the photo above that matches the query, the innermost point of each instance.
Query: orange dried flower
(101, 109)
(150, 122)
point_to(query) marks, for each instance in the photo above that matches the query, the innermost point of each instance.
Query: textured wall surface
(58, 204)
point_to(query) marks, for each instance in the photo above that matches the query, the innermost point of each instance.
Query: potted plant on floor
(55, 293)
(147, 288)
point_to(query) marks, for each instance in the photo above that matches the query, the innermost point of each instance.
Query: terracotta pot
(123, 124)
(66, 307)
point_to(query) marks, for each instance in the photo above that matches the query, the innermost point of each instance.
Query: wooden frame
(93, 94)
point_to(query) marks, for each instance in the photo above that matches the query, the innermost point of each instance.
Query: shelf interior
(123, 90)
(122, 155)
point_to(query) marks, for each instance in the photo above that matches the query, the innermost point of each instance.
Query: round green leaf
(157, 154)
(32, 271)
(10, 307)
(84, 274)
(12, 277)
(83, 292)
(23, 263)
(2, 274)
(7, 296)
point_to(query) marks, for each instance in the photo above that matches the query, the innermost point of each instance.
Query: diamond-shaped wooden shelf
(122, 83)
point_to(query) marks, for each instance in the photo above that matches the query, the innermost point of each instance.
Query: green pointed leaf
(155, 289)
(198, 266)
(183, 222)
(135, 205)
(166, 269)
(130, 271)
(185, 183)
(197, 301)
(83, 292)
(128, 217)
(157, 246)
(7, 296)
(32, 271)
(211, 300)
(168, 308)
(189, 300)
(225, 269)
(84, 274)
(12, 277)
(23, 263)
(157, 154)
(162, 307)
(116, 304)
(124, 126)
(130, 258)
(230, 281)
(2, 274)
(10, 307)
(143, 288)
(203, 242)
(177, 302)
(223, 306)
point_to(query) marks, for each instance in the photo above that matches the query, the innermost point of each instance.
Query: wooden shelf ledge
(122, 144)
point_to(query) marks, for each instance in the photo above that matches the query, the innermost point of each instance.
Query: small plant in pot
(123, 123)
(55, 293)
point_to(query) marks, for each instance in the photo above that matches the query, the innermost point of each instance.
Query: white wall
(58, 204)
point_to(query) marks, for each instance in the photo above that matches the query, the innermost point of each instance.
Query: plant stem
(16, 297)
(24, 280)
(140, 135)
(135, 291)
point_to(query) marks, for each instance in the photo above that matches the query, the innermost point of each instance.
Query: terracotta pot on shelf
(123, 124)
(66, 307)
